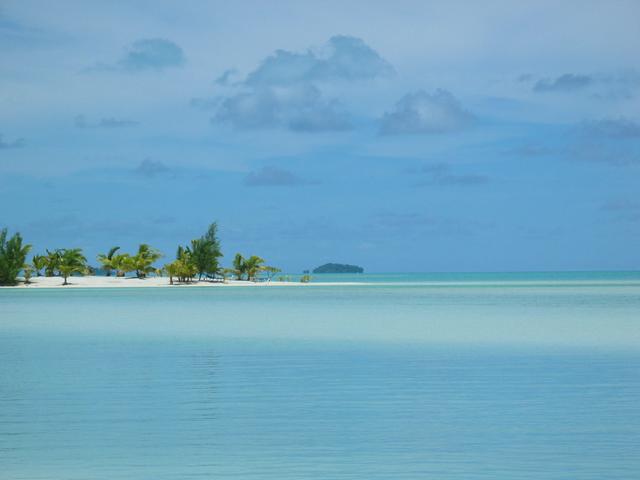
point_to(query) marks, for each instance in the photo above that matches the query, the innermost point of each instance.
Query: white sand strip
(119, 282)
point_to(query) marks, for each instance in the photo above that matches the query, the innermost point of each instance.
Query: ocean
(400, 376)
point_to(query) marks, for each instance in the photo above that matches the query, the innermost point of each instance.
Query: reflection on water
(112, 407)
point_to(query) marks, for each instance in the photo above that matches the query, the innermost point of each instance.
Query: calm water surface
(495, 381)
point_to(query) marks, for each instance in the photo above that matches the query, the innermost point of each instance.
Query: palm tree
(39, 262)
(107, 260)
(172, 271)
(53, 259)
(186, 265)
(253, 265)
(144, 260)
(205, 252)
(182, 267)
(71, 261)
(12, 257)
(122, 264)
(239, 266)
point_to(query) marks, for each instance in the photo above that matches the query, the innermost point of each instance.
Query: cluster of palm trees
(249, 268)
(13, 254)
(65, 262)
(62, 262)
(123, 263)
(198, 259)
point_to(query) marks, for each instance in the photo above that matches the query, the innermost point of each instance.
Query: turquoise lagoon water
(476, 277)
(415, 376)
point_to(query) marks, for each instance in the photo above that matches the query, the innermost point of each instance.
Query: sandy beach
(90, 281)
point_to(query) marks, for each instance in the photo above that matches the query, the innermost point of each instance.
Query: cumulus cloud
(343, 58)
(152, 54)
(146, 54)
(568, 82)
(618, 86)
(273, 177)
(299, 108)
(284, 91)
(151, 168)
(81, 121)
(620, 128)
(606, 86)
(225, 78)
(440, 174)
(17, 143)
(424, 113)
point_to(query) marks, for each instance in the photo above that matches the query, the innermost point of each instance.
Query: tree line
(199, 259)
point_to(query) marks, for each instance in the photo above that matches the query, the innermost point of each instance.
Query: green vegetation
(305, 278)
(123, 263)
(200, 258)
(205, 252)
(51, 263)
(183, 267)
(145, 258)
(71, 260)
(250, 268)
(172, 271)
(39, 262)
(13, 255)
(338, 268)
(253, 265)
(107, 260)
(239, 266)
(27, 272)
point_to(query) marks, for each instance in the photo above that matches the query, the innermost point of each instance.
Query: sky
(400, 136)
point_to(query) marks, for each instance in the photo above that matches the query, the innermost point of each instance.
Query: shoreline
(93, 281)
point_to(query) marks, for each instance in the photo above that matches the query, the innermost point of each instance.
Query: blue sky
(418, 136)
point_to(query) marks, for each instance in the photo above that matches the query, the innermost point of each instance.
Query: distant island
(338, 268)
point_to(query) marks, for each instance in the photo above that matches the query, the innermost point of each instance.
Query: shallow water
(390, 381)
